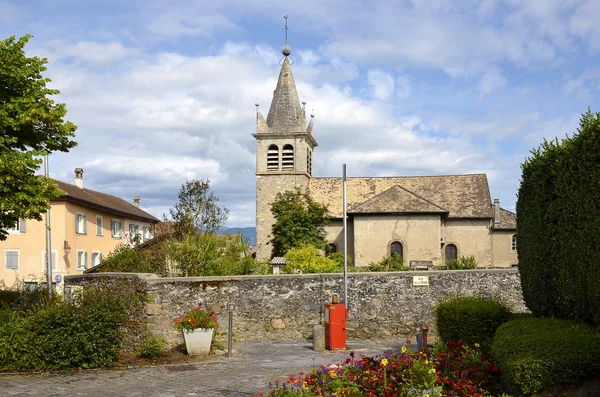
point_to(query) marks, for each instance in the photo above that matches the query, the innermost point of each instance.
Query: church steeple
(286, 114)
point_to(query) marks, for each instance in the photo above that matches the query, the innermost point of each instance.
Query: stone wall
(382, 305)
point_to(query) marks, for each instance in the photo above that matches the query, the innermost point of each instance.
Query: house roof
(508, 220)
(462, 196)
(396, 200)
(103, 201)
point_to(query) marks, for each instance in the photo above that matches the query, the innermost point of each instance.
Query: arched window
(273, 158)
(513, 244)
(451, 252)
(396, 248)
(331, 248)
(287, 158)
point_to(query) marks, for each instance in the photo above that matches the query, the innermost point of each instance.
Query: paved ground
(256, 366)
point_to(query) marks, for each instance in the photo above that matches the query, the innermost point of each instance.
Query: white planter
(197, 342)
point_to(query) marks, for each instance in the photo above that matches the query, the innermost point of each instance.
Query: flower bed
(454, 369)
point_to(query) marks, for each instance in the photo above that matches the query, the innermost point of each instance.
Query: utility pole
(345, 243)
(48, 236)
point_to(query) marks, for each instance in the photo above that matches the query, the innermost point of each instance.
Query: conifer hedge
(558, 224)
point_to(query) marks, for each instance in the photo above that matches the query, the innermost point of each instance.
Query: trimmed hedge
(473, 319)
(558, 219)
(534, 354)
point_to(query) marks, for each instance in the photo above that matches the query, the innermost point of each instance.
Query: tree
(31, 125)
(298, 220)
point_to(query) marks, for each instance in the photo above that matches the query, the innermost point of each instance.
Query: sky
(164, 90)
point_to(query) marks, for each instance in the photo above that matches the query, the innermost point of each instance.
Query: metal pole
(229, 341)
(48, 236)
(345, 243)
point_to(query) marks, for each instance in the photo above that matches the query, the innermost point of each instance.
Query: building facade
(423, 218)
(85, 226)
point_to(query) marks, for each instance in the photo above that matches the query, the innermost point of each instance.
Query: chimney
(79, 177)
(496, 212)
(136, 201)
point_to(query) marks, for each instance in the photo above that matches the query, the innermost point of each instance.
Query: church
(424, 219)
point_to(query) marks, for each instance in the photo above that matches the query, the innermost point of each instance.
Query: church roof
(396, 200)
(508, 220)
(462, 196)
(286, 113)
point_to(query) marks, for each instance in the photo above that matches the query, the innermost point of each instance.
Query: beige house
(426, 219)
(86, 226)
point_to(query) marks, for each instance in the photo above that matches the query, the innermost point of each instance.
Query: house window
(96, 258)
(513, 243)
(396, 248)
(116, 228)
(54, 263)
(287, 158)
(80, 224)
(134, 231)
(273, 158)
(451, 252)
(82, 260)
(11, 260)
(19, 227)
(145, 233)
(99, 226)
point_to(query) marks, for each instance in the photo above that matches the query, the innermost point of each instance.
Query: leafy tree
(307, 259)
(31, 125)
(298, 220)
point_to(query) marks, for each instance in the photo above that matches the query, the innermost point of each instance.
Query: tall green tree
(299, 220)
(31, 125)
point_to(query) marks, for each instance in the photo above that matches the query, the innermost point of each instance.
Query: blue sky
(164, 91)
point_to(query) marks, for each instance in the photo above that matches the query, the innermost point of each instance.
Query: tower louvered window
(308, 161)
(273, 158)
(287, 158)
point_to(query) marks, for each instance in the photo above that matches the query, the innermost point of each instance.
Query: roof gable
(508, 220)
(463, 196)
(396, 200)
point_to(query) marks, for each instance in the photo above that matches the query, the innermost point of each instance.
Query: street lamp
(67, 248)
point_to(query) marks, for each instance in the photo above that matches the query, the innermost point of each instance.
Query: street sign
(58, 278)
(231, 307)
(421, 281)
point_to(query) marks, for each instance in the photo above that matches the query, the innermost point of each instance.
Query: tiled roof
(508, 220)
(396, 200)
(278, 260)
(104, 201)
(463, 196)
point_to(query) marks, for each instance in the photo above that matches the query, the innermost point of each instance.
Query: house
(86, 225)
(424, 219)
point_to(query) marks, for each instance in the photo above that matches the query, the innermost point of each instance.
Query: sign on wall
(421, 281)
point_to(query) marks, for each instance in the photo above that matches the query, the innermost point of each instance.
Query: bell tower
(284, 150)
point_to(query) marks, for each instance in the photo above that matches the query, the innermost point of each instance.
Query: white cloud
(490, 81)
(583, 85)
(403, 86)
(382, 84)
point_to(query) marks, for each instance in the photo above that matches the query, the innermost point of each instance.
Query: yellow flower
(304, 385)
(426, 362)
(403, 349)
(384, 362)
(332, 373)
(476, 344)
(432, 371)
(426, 395)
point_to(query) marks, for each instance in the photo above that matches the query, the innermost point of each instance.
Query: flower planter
(197, 341)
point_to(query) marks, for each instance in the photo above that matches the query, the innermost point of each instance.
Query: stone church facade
(422, 218)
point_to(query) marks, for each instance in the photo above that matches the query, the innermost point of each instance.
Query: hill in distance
(248, 232)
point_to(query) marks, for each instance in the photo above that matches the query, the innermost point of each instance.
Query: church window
(331, 248)
(513, 244)
(396, 248)
(451, 252)
(273, 158)
(287, 159)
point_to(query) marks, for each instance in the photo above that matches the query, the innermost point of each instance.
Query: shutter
(12, 260)
(54, 264)
(84, 224)
(76, 223)
(85, 261)
(22, 225)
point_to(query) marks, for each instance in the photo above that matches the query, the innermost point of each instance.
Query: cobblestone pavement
(252, 370)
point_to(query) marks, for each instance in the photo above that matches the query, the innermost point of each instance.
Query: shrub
(462, 263)
(152, 346)
(537, 353)
(558, 222)
(392, 263)
(132, 260)
(308, 259)
(473, 319)
(197, 318)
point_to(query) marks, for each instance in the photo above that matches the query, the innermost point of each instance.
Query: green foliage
(537, 353)
(197, 318)
(474, 319)
(31, 125)
(50, 333)
(298, 220)
(462, 263)
(308, 259)
(152, 346)
(338, 258)
(392, 263)
(558, 211)
(132, 260)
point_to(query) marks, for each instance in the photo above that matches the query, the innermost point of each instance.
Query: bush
(152, 346)
(462, 263)
(132, 260)
(473, 319)
(308, 259)
(537, 353)
(558, 222)
(392, 263)
(50, 333)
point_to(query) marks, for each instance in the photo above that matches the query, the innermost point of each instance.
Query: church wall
(471, 237)
(419, 235)
(267, 188)
(335, 235)
(504, 256)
